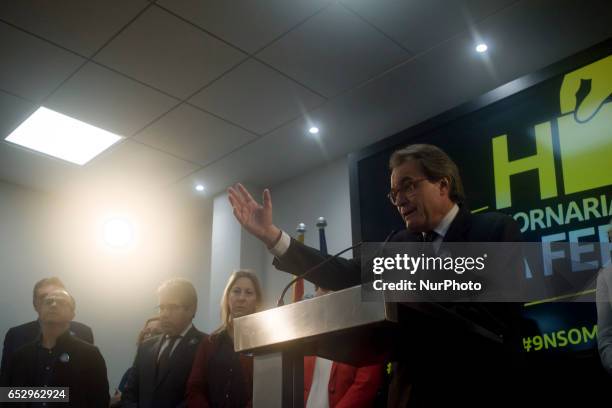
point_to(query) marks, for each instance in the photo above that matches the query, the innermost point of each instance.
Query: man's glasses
(170, 307)
(407, 187)
(49, 301)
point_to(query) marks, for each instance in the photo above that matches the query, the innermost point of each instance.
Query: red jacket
(197, 385)
(348, 386)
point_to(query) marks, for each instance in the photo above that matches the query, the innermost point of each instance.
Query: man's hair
(53, 280)
(183, 288)
(435, 164)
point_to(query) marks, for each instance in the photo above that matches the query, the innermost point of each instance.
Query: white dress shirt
(166, 341)
(319, 391)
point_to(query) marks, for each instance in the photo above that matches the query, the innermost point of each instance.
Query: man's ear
(445, 185)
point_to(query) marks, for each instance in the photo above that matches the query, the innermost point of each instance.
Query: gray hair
(183, 288)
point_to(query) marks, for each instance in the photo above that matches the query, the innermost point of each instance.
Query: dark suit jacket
(342, 273)
(146, 389)
(23, 334)
(84, 372)
(444, 360)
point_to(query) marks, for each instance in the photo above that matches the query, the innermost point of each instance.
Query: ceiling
(217, 91)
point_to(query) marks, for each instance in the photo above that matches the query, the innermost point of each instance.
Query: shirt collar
(181, 335)
(444, 225)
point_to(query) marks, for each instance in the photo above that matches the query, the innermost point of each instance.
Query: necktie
(430, 236)
(164, 359)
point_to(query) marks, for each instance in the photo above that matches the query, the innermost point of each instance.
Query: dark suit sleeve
(129, 397)
(338, 274)
(500, 227)
(7, 351)
(88, 335)
(82, 331)
(97, 394)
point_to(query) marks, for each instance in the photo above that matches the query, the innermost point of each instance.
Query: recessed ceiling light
(482, 47)
(313, 130)
(61, 136)
(199, 187)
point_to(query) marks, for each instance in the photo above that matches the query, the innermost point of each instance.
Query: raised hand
(254, 217)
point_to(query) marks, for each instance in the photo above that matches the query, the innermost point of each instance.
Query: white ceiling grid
(220, 91)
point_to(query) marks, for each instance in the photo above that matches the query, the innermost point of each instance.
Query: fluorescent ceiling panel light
(61, 136)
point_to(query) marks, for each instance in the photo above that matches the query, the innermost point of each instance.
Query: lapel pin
(193, 341)
(64, 358)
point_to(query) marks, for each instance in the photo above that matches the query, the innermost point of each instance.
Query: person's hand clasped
(254, 217)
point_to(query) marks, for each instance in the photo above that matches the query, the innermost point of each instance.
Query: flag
(321, 224)
(298, 286)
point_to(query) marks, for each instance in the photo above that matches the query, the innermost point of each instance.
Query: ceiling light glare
(482, 47)
(118, 233)
(313, 130)
(61, 136)
(199, 188)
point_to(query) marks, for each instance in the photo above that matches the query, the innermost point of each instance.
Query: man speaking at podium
(427, 191)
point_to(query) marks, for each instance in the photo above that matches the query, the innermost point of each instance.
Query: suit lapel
(151, 362)
(457, 231)
(188, 341)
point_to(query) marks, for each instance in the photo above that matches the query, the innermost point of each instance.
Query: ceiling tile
(30, 67)
(256, 97)
(433, 83)
(13, 111)
(452, 73)
(82, 26)
(108, 100)
(249, 25)
(194, 135)
(32, 169)
(169, 54)
(333, 51)
(132, 164)
(283, 154)
(420, 25)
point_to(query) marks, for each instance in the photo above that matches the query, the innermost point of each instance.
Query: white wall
(232, 249)
(115, 290)
(43, 235)
(323, 192)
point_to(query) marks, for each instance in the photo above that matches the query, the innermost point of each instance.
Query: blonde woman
(220, 376)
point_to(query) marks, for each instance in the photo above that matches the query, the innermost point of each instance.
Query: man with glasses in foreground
(59, 359)
(427, 192)
(20, 335)
(163, 363)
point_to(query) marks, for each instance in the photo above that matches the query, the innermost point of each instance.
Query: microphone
(281, 302)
